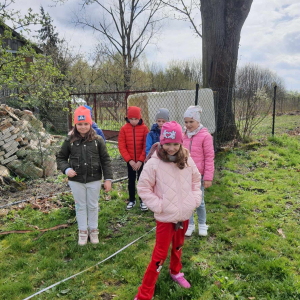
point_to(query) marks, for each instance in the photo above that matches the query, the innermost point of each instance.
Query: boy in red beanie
(132, 146)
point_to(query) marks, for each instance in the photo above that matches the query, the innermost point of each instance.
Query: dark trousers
(132, 177)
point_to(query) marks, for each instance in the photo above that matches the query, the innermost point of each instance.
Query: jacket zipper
(85, 159)
(92, 160)
(191, 144)
(179, 193)
(134, 144)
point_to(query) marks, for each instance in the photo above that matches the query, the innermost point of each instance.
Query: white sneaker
(82, 237)
(202, 229)
(130, 205)
(94, 239)
(190, 230)
(143, 206)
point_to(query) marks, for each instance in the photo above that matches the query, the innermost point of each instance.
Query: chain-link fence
(110, 108)
(287, 104)
(232, 113)
(239, 111)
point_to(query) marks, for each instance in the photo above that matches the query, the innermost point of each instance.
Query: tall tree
(47, 33)
(127, 28)
(27, 84)
(222, 22)
(52, 45)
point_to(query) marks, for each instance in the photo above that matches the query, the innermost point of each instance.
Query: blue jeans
(201, 212)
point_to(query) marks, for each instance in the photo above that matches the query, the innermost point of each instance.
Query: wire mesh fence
(285, 104)
(232, 113)
(110, 108)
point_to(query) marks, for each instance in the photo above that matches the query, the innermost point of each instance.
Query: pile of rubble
(26, 149)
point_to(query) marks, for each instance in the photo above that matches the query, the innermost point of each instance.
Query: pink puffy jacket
(202, 152)
(171, 193)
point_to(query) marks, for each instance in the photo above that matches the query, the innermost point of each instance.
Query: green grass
(282, 125)
(254, 201)
(113, 150)
(111, 124)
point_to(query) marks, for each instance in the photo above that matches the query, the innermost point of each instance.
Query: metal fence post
(197, 92)
(95, 107)
(126, 96)
(274, 104)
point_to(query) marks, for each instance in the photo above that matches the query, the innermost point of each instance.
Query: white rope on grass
(59, 282)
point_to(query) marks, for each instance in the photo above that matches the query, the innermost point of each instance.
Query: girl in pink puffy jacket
(170, 186)
(200, 144)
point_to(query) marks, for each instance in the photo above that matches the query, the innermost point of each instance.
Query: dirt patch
(119, 167)
(52, 185)
(106, 296)
(33, 189)
(295, 131)
(288, 113)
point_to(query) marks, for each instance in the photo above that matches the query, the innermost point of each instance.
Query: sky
(270, 36)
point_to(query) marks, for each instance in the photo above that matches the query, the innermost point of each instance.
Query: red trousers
(165, 234)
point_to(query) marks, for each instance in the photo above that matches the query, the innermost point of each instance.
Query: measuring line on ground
(61, 281)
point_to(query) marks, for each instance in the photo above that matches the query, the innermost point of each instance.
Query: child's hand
(207, 183)
(138, 165)
(71, 173)
(133, 164)
(107, 185)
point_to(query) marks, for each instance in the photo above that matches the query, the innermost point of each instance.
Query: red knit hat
(171, 132)
(134, 112)
(82, 114)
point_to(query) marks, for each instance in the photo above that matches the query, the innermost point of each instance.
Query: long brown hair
(181, 156)
(89, 136)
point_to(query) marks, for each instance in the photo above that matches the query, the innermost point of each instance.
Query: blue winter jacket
(152, 137)
(98, 130)
(95, 126)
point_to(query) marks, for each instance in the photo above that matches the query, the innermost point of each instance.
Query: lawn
(252, 250)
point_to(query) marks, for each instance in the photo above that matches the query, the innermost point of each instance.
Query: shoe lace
(94, 232)
(82, 235)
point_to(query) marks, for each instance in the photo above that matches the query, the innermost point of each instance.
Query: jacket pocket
(95, 166)
(74, 162)
(166, 206)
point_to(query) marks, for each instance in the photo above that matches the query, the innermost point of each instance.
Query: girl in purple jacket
(200, 144)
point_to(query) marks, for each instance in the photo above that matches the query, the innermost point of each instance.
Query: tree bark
(222, 22)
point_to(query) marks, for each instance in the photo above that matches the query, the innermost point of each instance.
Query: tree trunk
(127, 69)
(222, 22)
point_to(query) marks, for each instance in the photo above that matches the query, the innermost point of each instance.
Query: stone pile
(26, 149)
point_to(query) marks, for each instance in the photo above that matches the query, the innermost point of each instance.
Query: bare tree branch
(132, 26)
(186, 11)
